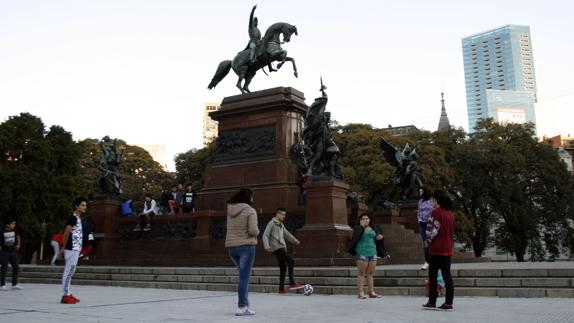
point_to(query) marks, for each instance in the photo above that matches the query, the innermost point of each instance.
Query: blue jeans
(423, 232)
(243, 258)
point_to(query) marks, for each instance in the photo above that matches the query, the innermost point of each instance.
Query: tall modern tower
(499, 75)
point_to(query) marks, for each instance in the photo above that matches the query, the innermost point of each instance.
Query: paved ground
(40, 303)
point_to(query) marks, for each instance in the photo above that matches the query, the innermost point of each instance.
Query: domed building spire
(443, 122)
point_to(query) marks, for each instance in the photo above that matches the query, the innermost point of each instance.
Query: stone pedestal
(326, 232)
(256, 132)
(408, 215)
(104, 213)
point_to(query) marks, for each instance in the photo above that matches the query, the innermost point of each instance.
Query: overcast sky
(139, 70)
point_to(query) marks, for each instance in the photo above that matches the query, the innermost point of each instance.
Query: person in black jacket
(9, 247)
(366, 245)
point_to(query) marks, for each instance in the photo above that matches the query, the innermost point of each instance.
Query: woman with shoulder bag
(365, 246)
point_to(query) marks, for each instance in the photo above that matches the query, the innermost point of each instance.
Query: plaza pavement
(40, 303)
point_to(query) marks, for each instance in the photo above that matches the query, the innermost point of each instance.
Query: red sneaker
(295, 286)
(75, 298)
(283, 293)
(68, 300)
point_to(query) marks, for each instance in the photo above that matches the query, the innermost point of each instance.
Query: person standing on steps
(440, 240)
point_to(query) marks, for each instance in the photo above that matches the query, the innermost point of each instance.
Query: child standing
(274, 238)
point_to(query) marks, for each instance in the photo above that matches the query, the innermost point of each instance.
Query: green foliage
(529, 189)
(363, 164)
(500, 178)
(140, 173)
(190, 165)
(36, 172)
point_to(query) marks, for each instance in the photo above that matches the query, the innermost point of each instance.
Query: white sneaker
(425, 266)
(244, 311)
(17, 287)
(3, 287)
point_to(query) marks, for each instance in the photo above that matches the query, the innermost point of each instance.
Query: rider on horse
(254, 35)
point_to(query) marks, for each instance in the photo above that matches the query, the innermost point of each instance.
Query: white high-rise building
(209, 125)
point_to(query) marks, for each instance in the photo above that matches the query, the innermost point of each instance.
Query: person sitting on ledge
(175, 199)
(150, 208)
(127, 208)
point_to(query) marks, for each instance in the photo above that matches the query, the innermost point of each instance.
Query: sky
(138, 70)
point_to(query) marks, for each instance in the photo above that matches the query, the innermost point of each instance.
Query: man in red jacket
(440, 240)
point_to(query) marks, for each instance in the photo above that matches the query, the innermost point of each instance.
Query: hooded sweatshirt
(241, 225)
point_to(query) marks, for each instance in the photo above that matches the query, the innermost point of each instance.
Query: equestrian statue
(260, 52)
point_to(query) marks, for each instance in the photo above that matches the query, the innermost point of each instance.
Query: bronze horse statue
(268, 50)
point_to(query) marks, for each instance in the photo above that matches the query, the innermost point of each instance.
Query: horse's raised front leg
(292, 60)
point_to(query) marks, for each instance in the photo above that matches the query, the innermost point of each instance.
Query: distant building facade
(499, 75)
(564, 145)
(209, 125)
(157, 152)
(399, 131)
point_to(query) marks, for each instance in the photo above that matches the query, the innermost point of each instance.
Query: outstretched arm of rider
(251, 16)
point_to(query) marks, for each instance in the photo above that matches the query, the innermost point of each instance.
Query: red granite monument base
(326, 232)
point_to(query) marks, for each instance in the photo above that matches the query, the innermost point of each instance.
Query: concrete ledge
(546, 282)
(560, 293)
(489, 282)
(479, 273)
(521, 292)
(483, 292)
(464, 282)
(498, 282)
(561, 272)
(524, 273)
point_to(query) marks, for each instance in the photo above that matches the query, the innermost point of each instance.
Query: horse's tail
(221, 72)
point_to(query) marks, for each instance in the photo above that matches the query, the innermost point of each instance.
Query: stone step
(382, 271)
(347, 290)
(554, 282)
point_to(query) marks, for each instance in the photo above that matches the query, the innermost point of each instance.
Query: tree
(139, 172)
(529, 189)
(191, 165)
(36, 171)
(364, 167)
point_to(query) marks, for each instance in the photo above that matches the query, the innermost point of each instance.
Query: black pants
(11, 257)
(284, 261)
(442, 263)
(145, 219)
